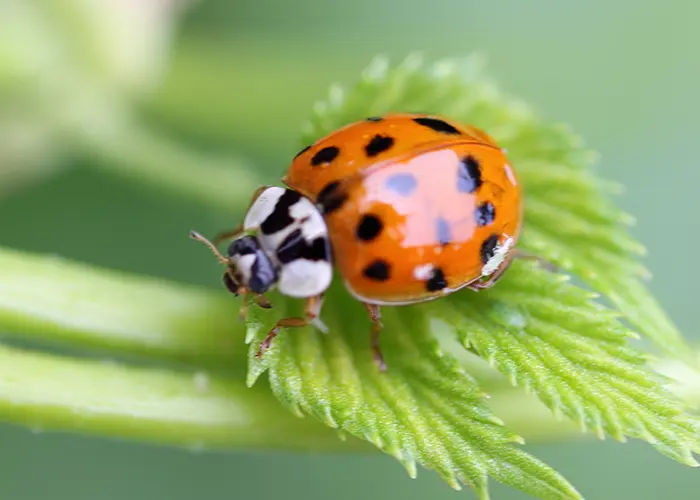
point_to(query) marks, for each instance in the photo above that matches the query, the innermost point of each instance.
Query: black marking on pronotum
(331, 197)
(488, 248)
(369, 228)
(302, 152)
(374, 118)
(262, 274)
(378, 144)
(295, 246)
(437, 125)
(280, 217)
(442, 230)
(378, 270)
(468, 175)
(244, 245)
(437, 281)
(485, 214)
(325, 155)
(402, 184)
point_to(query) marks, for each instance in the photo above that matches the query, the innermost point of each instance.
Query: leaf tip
(456, 486)
(377, 68)
(374, 438)
(254, 372)
(626, 219)
(410, 465)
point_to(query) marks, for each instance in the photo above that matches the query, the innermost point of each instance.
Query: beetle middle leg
(376, 317)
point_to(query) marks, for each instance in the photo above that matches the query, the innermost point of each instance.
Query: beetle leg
(376, 317)
(231, 234)
(227, 235)
(312, 310)
(519, 254)
(490, 280)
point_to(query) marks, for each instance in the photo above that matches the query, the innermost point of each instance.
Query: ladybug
(407, 207)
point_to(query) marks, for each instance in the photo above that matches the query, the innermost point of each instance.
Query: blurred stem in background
(70, 77)
(200, 402)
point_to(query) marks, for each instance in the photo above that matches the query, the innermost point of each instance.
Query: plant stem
(194, 409)
(139, 154)
(47, 297)
(42, 392)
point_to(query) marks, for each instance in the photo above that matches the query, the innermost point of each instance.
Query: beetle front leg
(311, 313)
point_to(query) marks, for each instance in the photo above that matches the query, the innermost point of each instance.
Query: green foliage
(540, 332)
(425, 408)
(547, 337)
(544, 334)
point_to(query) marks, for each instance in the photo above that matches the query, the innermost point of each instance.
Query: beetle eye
(243, 246)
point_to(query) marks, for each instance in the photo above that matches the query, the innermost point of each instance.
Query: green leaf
(45, 297)
(544, 334)
(548, 338)
(426, 408)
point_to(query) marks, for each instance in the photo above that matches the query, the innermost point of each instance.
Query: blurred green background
(237, 79)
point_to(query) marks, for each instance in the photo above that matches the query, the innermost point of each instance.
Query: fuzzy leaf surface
(542, 333)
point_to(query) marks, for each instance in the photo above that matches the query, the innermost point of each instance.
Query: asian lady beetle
(410, 208)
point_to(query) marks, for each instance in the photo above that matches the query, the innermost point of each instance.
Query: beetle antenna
(198, 237)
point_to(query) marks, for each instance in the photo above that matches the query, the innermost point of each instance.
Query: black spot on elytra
(378, 144)
(442, 231)
(437, 125)
(468, 175)
(369, 228)
(374, 118)
(331, 197)
(485, 214)
(488, 248)
(243, 246)
(295, 246)
(377, 270)
(437, 281)
(302, 152)
(280, 217)
(325, 155)
(401, 184)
